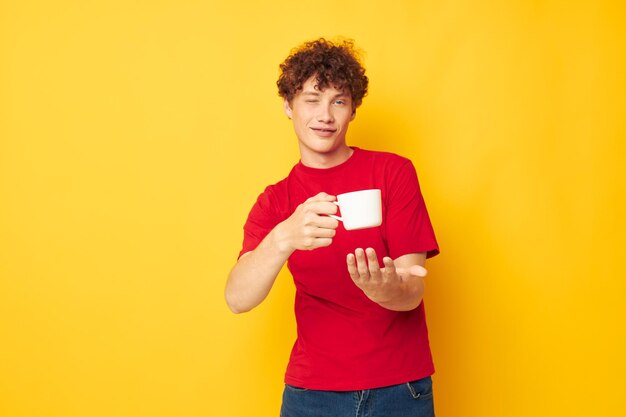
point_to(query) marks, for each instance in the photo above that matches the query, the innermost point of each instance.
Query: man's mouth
(324, 131)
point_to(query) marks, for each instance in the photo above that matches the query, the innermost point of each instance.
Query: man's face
(320, 119)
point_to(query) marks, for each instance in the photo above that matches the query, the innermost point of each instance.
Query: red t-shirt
(346, 341)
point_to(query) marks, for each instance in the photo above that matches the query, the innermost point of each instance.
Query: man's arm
(398, 286)
(253, 276)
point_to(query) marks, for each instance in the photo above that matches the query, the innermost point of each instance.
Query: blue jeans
(414, 399)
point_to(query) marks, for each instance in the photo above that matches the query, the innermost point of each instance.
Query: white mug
(360, 209)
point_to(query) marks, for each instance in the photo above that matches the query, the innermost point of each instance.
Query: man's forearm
(253, 276)
(308, 228)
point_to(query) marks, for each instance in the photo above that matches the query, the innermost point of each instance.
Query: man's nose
(325, 115)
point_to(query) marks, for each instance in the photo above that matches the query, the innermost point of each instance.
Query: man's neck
(324, 161)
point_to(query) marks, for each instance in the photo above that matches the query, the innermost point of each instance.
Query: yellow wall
(135, 136)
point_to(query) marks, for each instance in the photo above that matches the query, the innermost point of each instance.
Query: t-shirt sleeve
(408, 226)
(261, 220)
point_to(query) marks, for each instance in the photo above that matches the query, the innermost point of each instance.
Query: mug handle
(332, 215)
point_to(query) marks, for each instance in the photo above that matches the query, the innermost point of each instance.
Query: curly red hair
(333, 64)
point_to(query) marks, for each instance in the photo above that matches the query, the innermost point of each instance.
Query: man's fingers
(318, 232)
(321, 207)
(321, 197)
(352, 269)
(390, 267)
(323, 242)
(325, 222)
(372, 262)
(361, 263)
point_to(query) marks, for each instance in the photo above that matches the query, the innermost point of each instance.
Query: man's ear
(353, 114)
(287, 108)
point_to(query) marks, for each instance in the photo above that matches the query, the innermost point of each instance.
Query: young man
(362, 345)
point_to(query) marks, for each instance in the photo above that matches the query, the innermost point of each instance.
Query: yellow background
(136, 135)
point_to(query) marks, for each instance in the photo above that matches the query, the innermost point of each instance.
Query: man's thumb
(418, 270)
